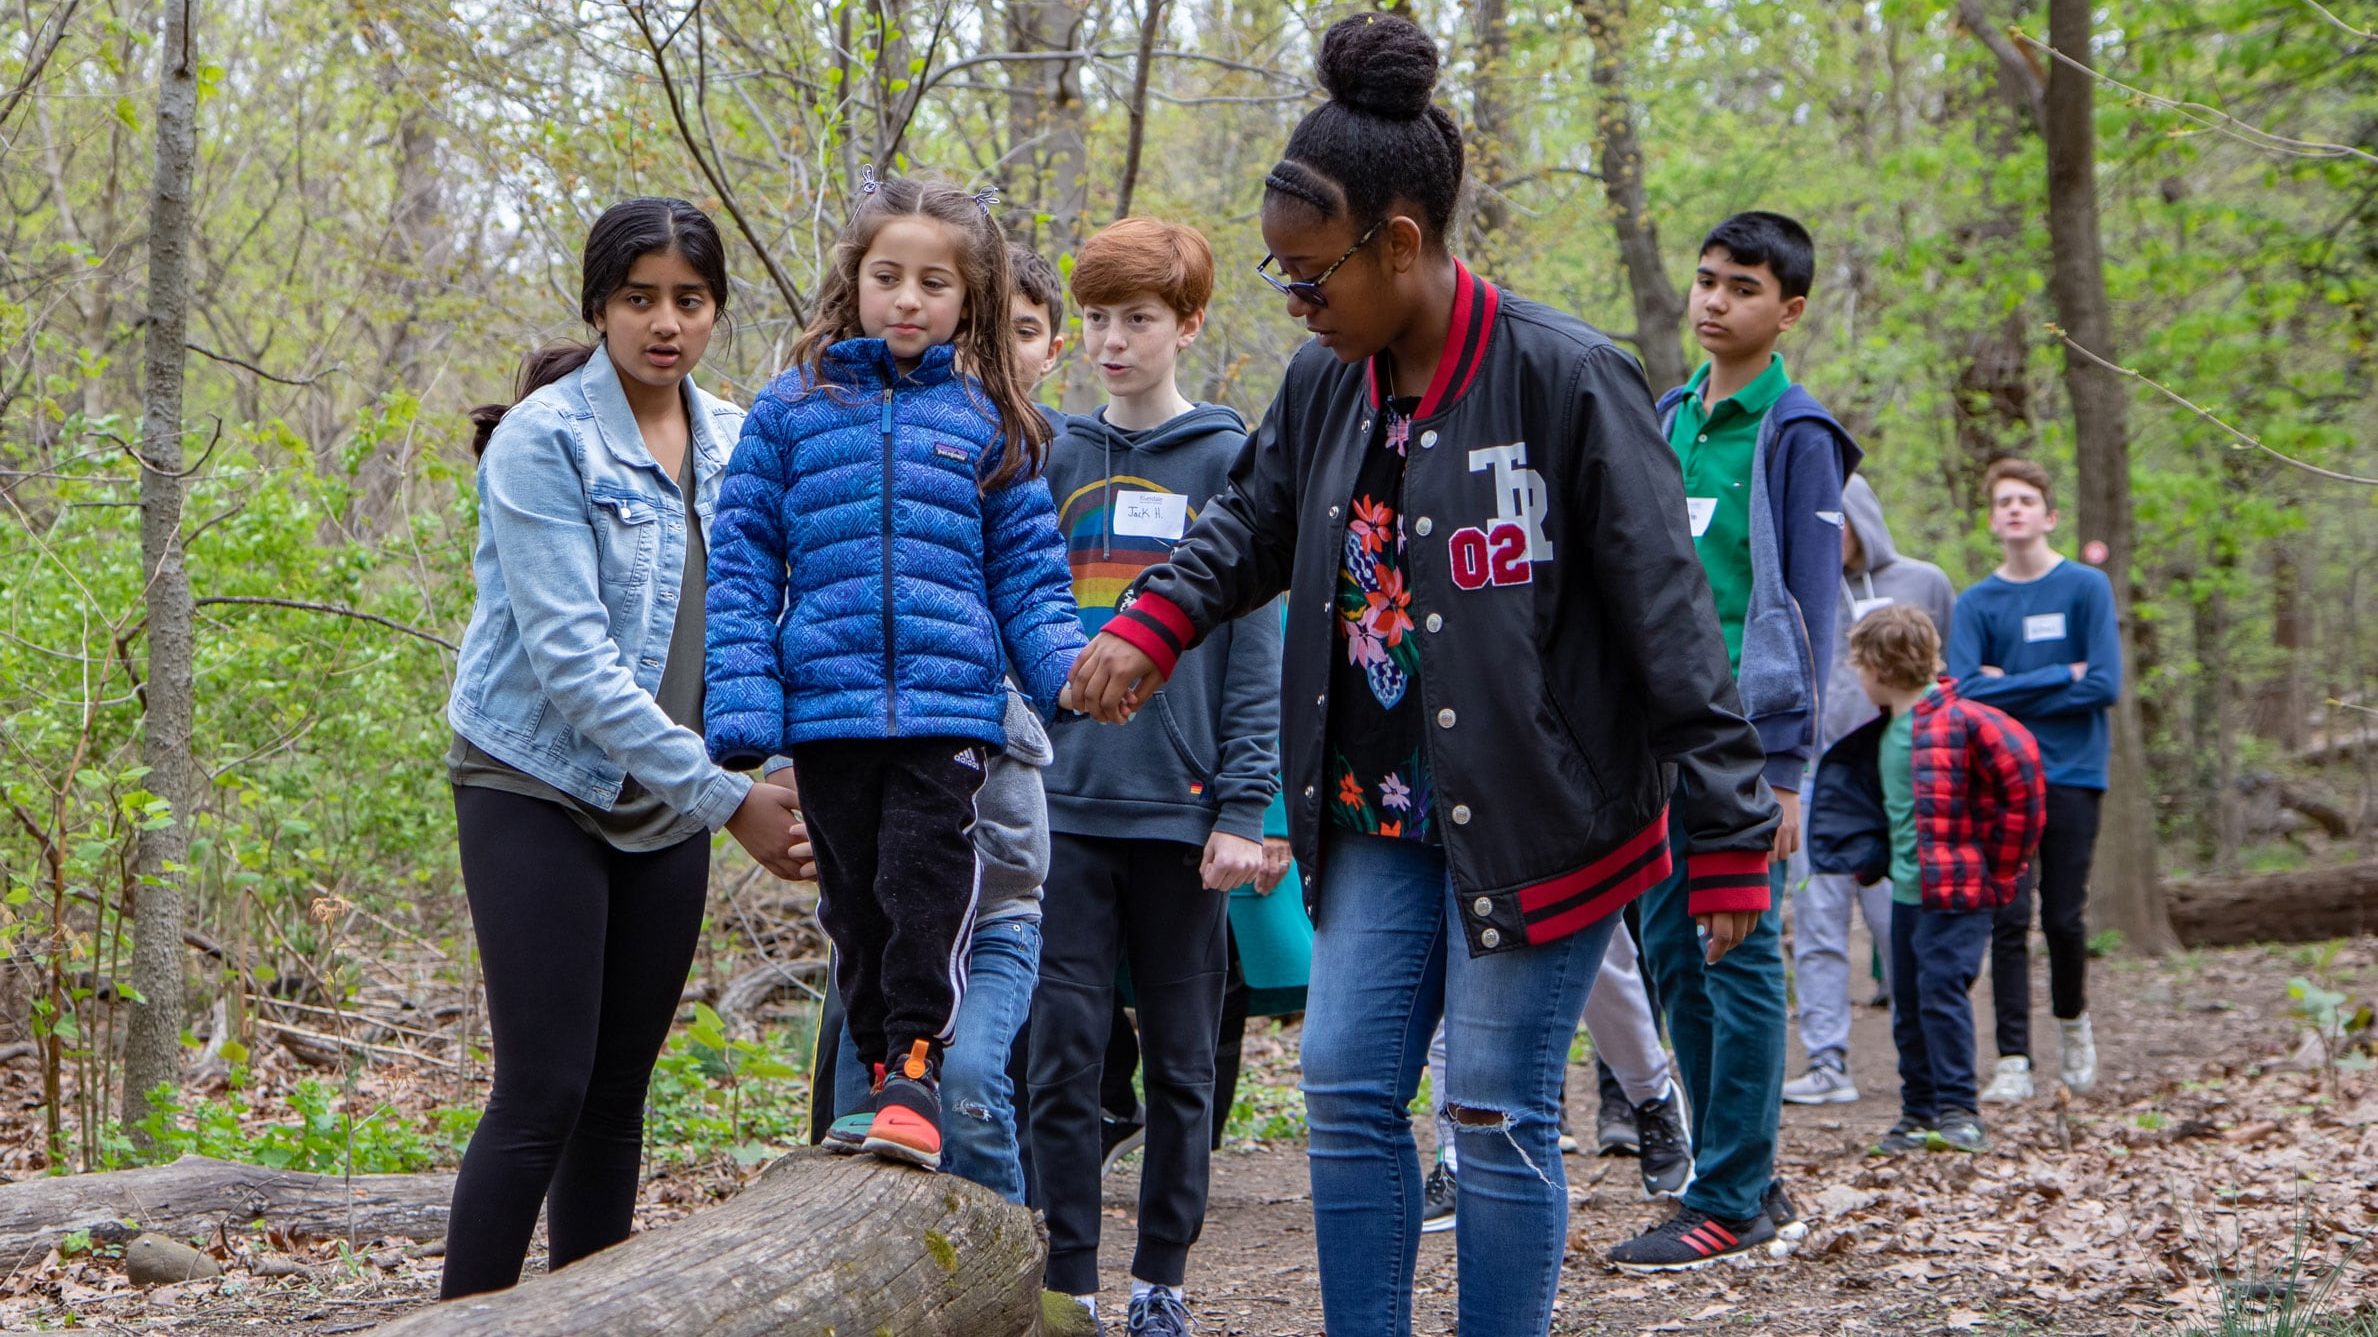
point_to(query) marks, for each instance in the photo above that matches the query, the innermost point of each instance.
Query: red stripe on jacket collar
(1475, 302)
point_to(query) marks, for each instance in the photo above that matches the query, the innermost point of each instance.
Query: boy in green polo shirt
(1763, 468)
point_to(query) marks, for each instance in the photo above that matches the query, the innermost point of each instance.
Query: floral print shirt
(1378, 764)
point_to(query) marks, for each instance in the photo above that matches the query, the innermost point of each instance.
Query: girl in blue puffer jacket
(885, 555)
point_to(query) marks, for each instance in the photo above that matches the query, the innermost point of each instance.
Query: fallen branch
(2307, 905)
(197, 1195)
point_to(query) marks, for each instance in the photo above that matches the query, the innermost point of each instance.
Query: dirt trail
(2103, 1215)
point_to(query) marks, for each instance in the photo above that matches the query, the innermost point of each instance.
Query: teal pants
(1726, 1021)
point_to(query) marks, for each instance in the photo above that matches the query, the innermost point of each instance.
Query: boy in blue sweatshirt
(1152, 823)
(2038, 639)
(1763, 468)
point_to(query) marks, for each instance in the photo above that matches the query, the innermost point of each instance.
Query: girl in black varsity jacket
(1500, 654)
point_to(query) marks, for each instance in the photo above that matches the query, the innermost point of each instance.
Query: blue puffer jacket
(862, 585)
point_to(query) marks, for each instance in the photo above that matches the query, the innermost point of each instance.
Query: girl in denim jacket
(582, 796)
(887, 554)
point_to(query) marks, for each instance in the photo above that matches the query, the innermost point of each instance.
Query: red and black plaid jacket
(1981, 800)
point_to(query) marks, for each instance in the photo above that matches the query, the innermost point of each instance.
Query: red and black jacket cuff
(1156, 627)
(1717, 881)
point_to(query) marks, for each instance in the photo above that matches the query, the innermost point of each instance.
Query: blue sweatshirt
(2036, 630)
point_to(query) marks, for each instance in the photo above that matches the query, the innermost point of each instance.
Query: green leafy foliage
(713, 1093)
(323, 1138)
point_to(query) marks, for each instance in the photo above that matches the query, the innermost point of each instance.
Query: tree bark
(1490, 139)
(152, 1048)
(2128, 891)
(1048, 140)
(195, 1196)
(1047, 120)
(819, 1244)
(1659, 308)
(2308, 905)
(421, 249)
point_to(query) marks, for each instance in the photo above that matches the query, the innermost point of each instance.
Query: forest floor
(2218, 1156)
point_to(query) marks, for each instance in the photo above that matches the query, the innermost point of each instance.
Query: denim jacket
(581, 552)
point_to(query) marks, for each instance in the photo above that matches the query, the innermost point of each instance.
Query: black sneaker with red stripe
(1691, 1240)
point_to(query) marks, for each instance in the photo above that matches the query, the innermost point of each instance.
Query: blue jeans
(1727, 1024)
(1935, 956)
(1383, 972)
(978, 1102)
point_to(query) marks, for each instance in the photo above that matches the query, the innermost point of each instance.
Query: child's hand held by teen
(1112, 679)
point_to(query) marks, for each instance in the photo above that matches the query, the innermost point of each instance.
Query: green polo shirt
(1897, 760)
(1717, 448)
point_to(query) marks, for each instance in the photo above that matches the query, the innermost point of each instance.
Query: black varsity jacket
(1572, 669)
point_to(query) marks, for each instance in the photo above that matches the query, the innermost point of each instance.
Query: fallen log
(195, 1195)
(2305, 905)
(818, 1244)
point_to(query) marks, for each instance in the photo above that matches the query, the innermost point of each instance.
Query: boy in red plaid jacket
(1946, 797)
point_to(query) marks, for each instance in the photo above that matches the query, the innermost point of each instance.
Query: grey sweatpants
(1822, 904)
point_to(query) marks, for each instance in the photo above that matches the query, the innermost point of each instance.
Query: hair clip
(868, 185)
(984, 199)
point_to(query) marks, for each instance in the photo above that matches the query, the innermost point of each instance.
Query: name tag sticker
(2043, 627)
(1698, 511)
(1158, 515)
(1859, 608)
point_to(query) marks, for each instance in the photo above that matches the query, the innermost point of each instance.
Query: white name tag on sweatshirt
(2043, 627)
(1698, 511)
(1156, 515)
(1859, 608)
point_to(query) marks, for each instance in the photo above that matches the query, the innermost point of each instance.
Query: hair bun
(1378, 64)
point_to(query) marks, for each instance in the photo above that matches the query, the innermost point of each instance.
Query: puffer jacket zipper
(891, 646)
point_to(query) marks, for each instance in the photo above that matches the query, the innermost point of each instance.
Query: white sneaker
(2011, 1082)
(1822, 1084)
(2077, 1066)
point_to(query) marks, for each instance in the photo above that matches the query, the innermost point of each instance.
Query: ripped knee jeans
(1389, 958)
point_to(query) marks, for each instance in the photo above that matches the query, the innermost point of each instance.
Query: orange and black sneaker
(847, 1136)
(907, 1123)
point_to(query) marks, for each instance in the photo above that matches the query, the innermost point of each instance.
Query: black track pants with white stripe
(893, 823)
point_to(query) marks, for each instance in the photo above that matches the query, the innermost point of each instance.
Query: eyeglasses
(1308, 291)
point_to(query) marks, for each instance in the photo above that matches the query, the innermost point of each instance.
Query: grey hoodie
(1011, 819)
(1202, 757)
(1884, 577)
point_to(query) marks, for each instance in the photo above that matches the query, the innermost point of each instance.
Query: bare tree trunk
(1047, 119)
(1659, 308)
(2285, 698)
(2127, 886)
(1049, 137)
(1490, 139)
(421, 248)
(2062, 102)
(1150, 24)
(152, 1050)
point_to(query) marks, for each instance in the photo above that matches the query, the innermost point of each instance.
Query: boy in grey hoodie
(1152, 823)
(1873, 575)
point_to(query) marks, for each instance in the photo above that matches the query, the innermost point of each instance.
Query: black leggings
(585, 949)
(2060, 875)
